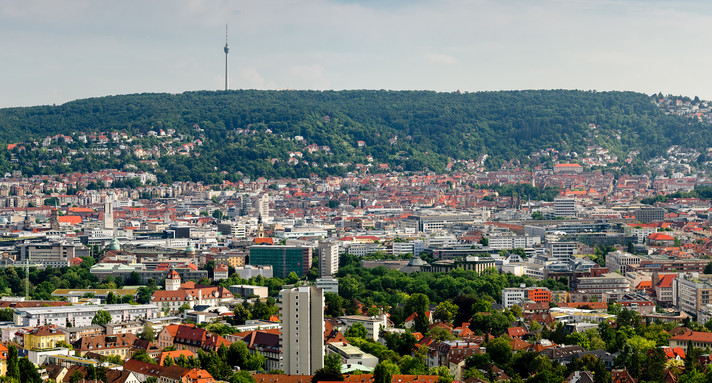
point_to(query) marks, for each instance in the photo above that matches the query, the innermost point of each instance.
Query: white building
(328, 258)
(373, 325)
(79, 316)
(564, 207)
(618, 261)
(249, 271)
(352, 357)
(302, 338)
(513, 296)
(328, 284)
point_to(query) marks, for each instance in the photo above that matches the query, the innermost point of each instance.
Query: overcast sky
(54, 51)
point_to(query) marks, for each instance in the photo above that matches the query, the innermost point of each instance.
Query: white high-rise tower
(328, 258)
(302, 338)
(108, 214)
(227, 49)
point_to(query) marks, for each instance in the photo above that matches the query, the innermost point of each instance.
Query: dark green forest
(408, 130)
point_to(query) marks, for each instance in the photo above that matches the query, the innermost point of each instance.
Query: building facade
(302, 338)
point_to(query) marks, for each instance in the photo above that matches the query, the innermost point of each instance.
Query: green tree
(445, 311)
(384, 371)
(13, 367)
(28, 372)
(357, 330)
(149, 333)
(101, 317)
(242, 377)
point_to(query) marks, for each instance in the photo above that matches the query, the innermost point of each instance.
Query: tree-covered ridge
(259, 132)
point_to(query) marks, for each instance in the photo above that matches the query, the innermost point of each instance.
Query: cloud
(310, 76)
(439, 58)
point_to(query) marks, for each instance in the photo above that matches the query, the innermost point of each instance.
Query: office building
(328, 258)
(283, 259)
(564, 207)
(302, 339)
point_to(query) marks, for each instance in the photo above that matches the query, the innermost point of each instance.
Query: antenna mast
(226, 49)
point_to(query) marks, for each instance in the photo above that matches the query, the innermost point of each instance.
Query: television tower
(227, 49)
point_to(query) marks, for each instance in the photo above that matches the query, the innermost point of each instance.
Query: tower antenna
(226, 49)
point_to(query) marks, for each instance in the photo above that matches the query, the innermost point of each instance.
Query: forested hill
(253, 132)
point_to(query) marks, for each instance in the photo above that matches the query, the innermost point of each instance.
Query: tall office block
(302, 338)
(328, 258)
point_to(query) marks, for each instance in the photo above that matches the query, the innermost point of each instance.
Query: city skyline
(60, 51)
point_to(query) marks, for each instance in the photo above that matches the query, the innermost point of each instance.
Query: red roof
(71, 219)
(694, 336)
(567, 166)
(264, 241)
(666, 281)
(660, 237)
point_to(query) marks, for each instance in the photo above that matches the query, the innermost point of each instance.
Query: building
(653, 214)
(283, 259)
(328, 258)
(108, 221)
(170, 374)
(328, 284)
(698, 339)
(352, 358)
(172, 281)
(302, 338)
(189, 337)
(189, 294)
(50, 254)
(234, 229)
(121, 345)
(249, 271)
(564, 207)
(618, 261)
(568, 169)
(79, 316)
(373, 324)
(42, 337)
(516, 295)
(477, 264)
(246, 291)
(265, 343)
(220, 272)
(605, 283)
(691, 292)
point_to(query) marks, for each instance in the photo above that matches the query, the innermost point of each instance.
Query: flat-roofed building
(78, 316)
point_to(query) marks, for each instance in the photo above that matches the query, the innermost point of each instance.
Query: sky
(54, 51)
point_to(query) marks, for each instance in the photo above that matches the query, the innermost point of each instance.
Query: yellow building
(41, 337)
(3, 359)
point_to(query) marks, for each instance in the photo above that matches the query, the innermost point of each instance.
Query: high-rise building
(263, 208)
(302, 338)
(108, 215)
(328, 258)
(283, 259)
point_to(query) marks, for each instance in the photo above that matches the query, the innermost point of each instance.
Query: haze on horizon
(57, 51)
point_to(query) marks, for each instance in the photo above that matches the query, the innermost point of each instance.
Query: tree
(500, 350)
(327, 374)
(143, 357)
(101, 318)
(384, 371)
(357, 330)
(28, 372)
(111, 299)
(708, 268)
(241, 314)
(149, 333)
(13, 367)
(445, 311)
(242, 377)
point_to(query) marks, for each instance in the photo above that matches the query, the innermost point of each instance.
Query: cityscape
(363, 192)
